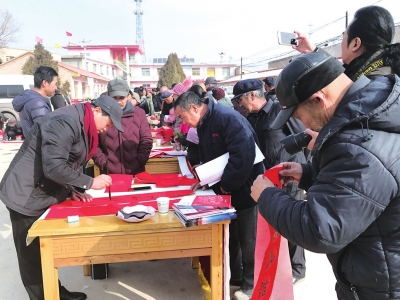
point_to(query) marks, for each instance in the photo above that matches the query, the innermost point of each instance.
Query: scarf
(89, 126)
(364, 64)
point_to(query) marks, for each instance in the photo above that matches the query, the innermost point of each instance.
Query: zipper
(354, 290)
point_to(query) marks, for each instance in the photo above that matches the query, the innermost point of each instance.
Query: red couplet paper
(267, 248)
(103, 206)
(164, 180)
(120, 183)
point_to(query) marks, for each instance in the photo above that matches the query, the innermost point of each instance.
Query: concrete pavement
(172, 279)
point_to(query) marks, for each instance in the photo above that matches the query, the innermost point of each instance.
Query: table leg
(216, 262)
(195, 262)
(49, 272)
(86, 270)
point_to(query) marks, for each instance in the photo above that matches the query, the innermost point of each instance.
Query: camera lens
(294, 143)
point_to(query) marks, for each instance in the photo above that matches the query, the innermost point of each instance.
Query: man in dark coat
(32, 105)
(124, 152)
(46, 170)
(353, 198)
(263, 111)
(222, 130)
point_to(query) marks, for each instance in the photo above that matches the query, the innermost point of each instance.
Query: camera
(294, 143)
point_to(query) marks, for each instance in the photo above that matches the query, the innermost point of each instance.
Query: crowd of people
(350, 176)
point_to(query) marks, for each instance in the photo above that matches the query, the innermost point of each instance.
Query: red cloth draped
(90, 129)
(267, 249)
(103, 206)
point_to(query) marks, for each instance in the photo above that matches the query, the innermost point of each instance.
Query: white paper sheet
(211, 172)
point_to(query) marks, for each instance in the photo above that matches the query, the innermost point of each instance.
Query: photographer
(353, 196)
(366, 44)
(262, 112)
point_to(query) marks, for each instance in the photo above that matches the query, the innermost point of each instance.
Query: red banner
(267, 249)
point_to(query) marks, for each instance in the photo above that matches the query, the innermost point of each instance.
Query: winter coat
(225, 101)
(157, 102)
(126, 152)
(31, 106)
(49, 163)
(269, 139)
(353, 197)
(223, 130)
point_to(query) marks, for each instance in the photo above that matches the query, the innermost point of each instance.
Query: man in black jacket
(46, 170)
(221, 130)
(353, 198)
(262, 112)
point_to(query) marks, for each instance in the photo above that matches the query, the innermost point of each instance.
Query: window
(95, 68)
(226, 71)
(145, 71)
(158, 71)
(196, 71)
(159, 60)
(107, 70)
(146, 85)
(11, 91)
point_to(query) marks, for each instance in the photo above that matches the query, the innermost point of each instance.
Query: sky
(197, 29)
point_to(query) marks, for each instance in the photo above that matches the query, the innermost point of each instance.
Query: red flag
(39, 40)
(68, 33)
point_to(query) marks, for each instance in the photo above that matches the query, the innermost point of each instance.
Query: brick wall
(14, 66)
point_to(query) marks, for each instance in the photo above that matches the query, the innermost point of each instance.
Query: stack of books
(204, 209)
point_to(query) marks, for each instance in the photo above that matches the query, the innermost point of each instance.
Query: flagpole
(84, 53)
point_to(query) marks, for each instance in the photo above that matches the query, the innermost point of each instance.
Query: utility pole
(347, 19)
(241, 64)
(309, 32)
(139, 27)
(84, 43)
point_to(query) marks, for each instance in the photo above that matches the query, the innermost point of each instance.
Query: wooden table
(107, 239)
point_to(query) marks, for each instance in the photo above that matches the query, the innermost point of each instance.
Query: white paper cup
(163, 205)
(158, 142)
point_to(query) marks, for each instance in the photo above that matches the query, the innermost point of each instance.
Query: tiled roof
(82, 72)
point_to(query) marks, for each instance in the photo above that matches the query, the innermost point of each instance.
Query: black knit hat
(304, 76)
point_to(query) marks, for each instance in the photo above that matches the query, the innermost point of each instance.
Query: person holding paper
(223, 130)
(353, 197)
(262, 112)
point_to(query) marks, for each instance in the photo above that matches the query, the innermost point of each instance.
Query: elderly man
(262, 112)
(353, 197)
(124, 152)
(46, 170)
(221, 130)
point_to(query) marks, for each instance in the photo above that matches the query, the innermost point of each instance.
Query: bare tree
(8, 28)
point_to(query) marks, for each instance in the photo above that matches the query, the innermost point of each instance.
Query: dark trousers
(29, 260)
(242, 244)
(297, 260)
